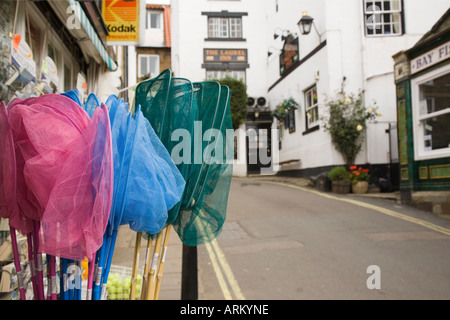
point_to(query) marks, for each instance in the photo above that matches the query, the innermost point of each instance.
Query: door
(259, 142)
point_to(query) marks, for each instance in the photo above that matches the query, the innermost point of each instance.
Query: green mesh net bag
(202, 216)
(191, 121)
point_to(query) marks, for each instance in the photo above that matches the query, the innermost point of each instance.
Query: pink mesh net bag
(64, 172)
(7, 166)
(78, 207)
(41, 128)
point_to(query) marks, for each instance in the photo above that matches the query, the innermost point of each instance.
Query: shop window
(311, 108)
(383, 18)
(220, 74)
(225, 27)
(433, 114)
(148, 65)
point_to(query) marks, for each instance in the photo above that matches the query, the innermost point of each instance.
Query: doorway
(259, 145)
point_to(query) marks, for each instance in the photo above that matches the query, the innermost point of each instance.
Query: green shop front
(422, 77)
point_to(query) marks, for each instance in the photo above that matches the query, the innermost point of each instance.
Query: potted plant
(340, 179)
(360, 179)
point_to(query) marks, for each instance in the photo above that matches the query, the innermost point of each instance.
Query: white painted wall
(365, 62)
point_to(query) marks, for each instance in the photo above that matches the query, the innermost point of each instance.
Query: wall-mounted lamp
(305, 24)
(256, 112)
(272, 50)
(283, 32)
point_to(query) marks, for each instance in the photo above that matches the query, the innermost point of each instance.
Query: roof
(437, 34)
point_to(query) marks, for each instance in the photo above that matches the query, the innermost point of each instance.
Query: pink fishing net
(7, 166)
(64, 173)
(41, 128)
(78, 207)
(8, 178)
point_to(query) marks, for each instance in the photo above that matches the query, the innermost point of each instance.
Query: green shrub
(238, 101)
(339, 173)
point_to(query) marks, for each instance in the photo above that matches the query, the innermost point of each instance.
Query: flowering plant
(346, 123)
(359, 174)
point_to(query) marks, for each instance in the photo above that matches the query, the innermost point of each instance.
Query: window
(432, 111)
(311, 108)
(225, 27)
(153, 20)
(220, 74)
(148, 65)
(383, 17)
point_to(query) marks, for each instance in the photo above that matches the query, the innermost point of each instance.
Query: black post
(189, 277)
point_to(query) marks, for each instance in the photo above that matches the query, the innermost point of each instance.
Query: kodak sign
(122, 18)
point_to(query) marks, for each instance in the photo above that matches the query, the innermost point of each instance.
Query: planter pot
(360, 187)
(341, 186)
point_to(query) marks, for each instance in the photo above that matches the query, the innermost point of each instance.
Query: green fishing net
(201, 220)
(192, 122)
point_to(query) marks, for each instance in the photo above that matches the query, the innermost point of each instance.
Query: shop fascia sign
(22, 60)
(430, 58)
(225, 55)
(289, 54)
(124, 20)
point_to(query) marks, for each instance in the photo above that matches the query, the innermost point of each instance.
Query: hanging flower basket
(283, 109)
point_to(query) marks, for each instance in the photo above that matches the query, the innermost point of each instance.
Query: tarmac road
(284, 242)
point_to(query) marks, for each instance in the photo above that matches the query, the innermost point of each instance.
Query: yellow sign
(121, 17)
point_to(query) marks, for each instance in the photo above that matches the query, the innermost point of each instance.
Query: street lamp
(305, 23)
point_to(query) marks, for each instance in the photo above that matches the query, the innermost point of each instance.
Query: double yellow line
(227, 281)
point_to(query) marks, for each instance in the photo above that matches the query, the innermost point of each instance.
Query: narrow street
(289, 243)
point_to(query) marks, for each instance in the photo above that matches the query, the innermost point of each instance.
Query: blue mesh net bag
(169, 106)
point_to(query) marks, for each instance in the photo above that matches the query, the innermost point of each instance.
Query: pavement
(171, 280)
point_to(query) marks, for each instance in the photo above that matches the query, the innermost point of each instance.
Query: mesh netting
(154, 183)
(203, 216)
(202, 110)
(170, 108)
(7, 166)
(91, 104)
(64, 173)
(78, 207)
(74, 95)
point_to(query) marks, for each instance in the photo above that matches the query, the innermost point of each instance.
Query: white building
(351, 40)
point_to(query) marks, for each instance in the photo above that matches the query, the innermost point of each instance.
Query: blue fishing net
(154, 183)
(169, 106)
